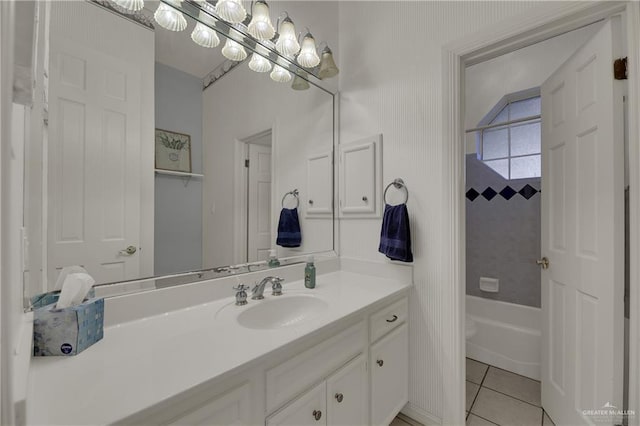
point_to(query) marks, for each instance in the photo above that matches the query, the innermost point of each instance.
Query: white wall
(487, 82)
(390, 81)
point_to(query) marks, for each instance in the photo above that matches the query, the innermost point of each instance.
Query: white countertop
(141, 363)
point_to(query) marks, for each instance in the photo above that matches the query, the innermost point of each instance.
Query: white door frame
(509, 35)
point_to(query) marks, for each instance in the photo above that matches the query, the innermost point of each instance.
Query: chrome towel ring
(398, 184)
(295, 194)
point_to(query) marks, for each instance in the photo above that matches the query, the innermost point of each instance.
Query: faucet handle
(241, 295)
(277, 286)
(241, 287)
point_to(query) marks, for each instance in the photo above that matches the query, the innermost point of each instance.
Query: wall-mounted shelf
(172, 173)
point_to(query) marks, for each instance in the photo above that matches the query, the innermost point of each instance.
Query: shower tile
(517, 386)
(475, 371)
(478, 421)
(546, 420)
(472, 391)
(504, 410)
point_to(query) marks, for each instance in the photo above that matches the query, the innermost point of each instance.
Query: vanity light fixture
(203, 35)
(280, 75)
(308, 57)
(170, 18)
(300, 83)
(258, 63)
(231, 11)
(260, 26)
(130, 5)
(328, 66)
(234, 51)
(287, 42)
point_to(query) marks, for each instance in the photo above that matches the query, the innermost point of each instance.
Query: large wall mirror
(160, 157)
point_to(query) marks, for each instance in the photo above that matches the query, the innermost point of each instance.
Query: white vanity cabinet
(307, 410)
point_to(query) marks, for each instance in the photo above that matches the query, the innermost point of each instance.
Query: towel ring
(398, 184)
(295, 194)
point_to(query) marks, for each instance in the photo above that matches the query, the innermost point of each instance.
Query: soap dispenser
(310, 274)
(273, 259)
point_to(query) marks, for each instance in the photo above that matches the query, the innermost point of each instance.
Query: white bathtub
(506, 335)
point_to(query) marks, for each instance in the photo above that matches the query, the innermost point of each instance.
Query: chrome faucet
(258, 290)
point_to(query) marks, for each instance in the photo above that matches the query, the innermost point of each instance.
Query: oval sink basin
(282, 312)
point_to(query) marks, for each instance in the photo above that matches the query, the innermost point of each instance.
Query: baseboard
(417, 416)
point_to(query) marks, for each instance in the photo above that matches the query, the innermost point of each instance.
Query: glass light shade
(308, 57)
(203, 35)
(131, 5)
(280, 74)
(299, 83)
(260, 26)
(231, 11)
(259, 63)
(287, 42)
(328, 66)
(170, 18)
(234, 51)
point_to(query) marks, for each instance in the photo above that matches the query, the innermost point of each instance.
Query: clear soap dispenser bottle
(310, 274)
(273, 259)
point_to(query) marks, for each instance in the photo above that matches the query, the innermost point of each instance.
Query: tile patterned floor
(497, 397)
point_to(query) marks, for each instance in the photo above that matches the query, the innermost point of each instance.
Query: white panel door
(358, 166)
(259, 203)
(347, 394)
(94, 161)
(320, 184)
(582, 233)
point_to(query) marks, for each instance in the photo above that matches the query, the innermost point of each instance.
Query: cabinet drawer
(298, 373)
(389, 318)
(308, 410)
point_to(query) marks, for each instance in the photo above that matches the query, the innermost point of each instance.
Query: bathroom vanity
(337, 354)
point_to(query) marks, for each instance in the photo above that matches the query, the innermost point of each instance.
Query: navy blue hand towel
(395, 236)
(289, 229)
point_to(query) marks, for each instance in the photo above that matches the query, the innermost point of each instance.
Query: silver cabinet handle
(364, 198)
(380, 362)
(544, 262)
(317, 414)
(339, 397)
(394, 319)
(310, 201)
(128, 251)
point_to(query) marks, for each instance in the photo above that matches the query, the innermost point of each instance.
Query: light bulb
(308, 57)
(234, 51)
(280, 75)
(231, 11)
(287, 43)
(131, 5)
(328, 67)
(260, 26)
(170, 18)
(202, 34)
(300, 83)
(259, 63)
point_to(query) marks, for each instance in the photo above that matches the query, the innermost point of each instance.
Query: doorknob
(128, 251)
(544, 262)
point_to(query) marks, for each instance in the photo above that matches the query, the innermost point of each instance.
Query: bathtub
(504, 335)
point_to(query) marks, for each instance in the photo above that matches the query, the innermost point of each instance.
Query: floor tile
(504, 410)
(546, 420)
(472, 391)
(475, 371)
(398, 422)
(408, 420)
(478, 421)
(514, 385)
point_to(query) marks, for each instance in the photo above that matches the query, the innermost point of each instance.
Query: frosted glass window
(525, 139)
(525, 167)
(502, 117)
(495, 144)
(524, 108)
(499, 166)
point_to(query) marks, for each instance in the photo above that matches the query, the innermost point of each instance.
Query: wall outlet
(489, 285)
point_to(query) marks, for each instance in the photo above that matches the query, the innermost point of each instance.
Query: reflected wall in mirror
(93, 196)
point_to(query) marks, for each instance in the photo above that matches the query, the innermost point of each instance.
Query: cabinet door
(320, 184)
(308, 410)
(233, 408)
(347, 394)
(389, 376)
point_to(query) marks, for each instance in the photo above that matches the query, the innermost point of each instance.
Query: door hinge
(620, 69)
(246, 162)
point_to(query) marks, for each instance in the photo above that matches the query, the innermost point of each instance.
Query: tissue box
(67, 331)
(52, 297)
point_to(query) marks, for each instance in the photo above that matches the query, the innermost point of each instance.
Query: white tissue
(74, 289)
(66, 271)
